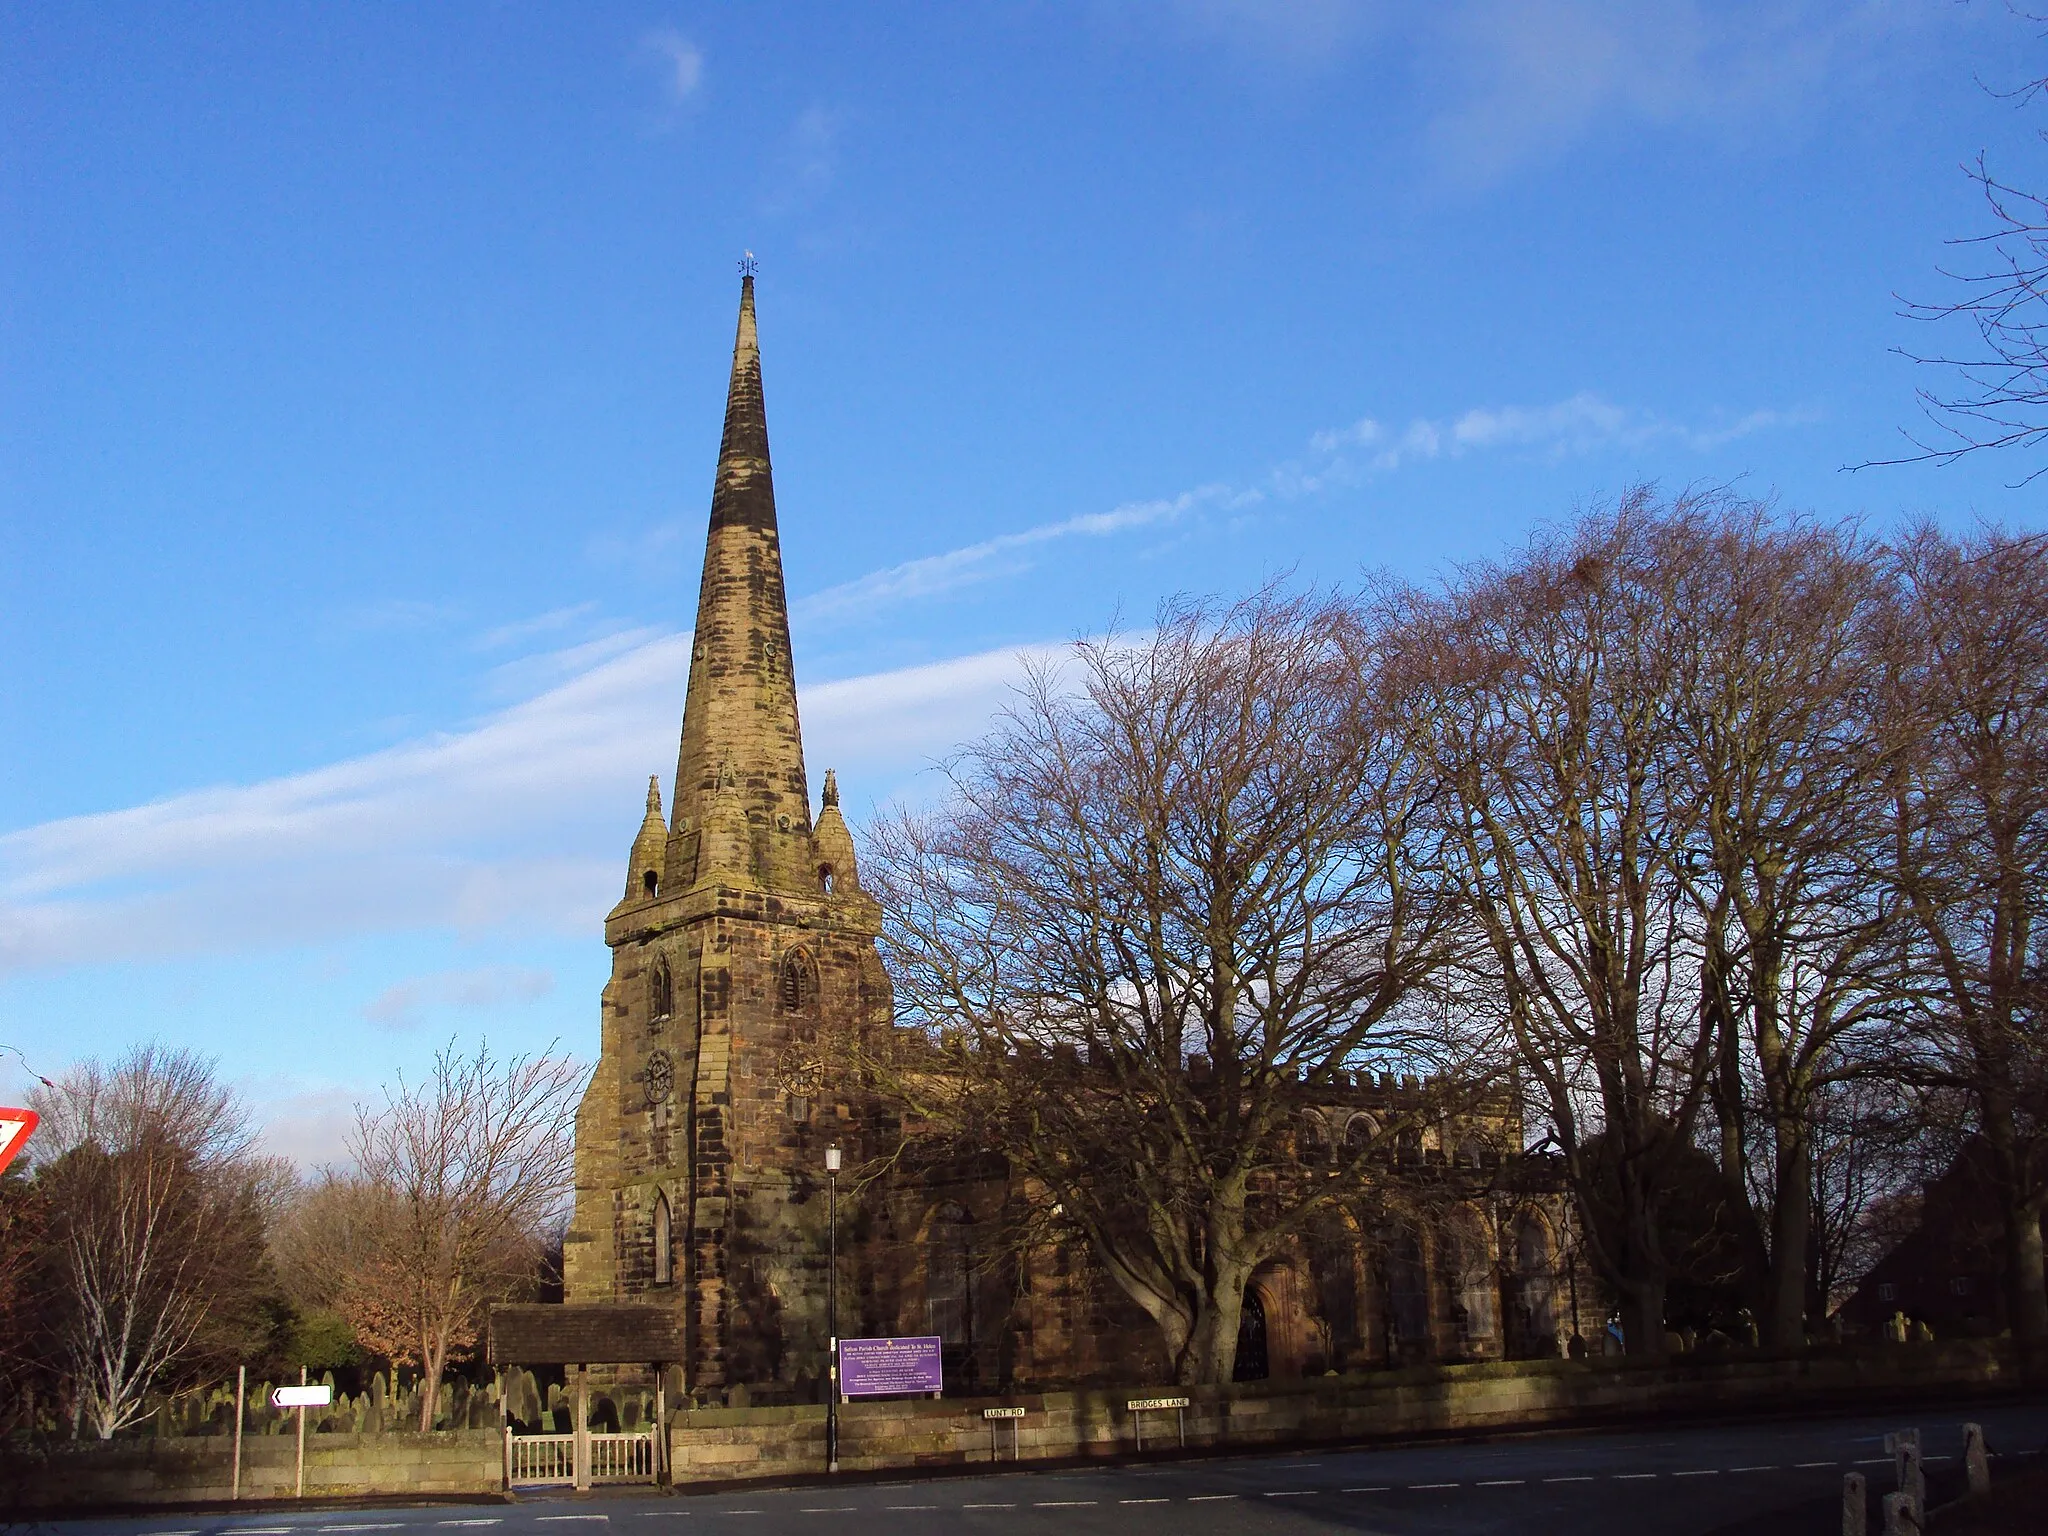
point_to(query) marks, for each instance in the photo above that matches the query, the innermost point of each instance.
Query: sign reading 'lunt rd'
(885, 1367)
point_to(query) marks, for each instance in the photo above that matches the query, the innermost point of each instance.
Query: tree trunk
(1211, 1351)
(1791, 1227)
(2026, 1298)
(1642, 1319)
(432, 1363)
(2026, 1288)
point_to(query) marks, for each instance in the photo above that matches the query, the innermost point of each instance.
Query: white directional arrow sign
(15, 1125)
(302, 1397)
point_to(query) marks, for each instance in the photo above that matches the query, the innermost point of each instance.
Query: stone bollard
(1855, 1510)
(1976, 1461)
(1913, 1480)
(1903, 1447)
(1899, 1519)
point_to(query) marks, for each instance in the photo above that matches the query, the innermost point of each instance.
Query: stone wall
(89, 1474)
(721, 1444)
(778, 1442)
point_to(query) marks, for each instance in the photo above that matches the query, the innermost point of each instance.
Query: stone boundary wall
(177, 1470)
(726, 1444)
(744, 1443)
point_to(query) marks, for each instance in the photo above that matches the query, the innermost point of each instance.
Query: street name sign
(1002, 1413)
(1146, 1404)
(302, 1397)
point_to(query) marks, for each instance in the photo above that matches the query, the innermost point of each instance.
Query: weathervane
(748, 265)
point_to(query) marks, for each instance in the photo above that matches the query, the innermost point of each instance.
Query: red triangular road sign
(15, 1125)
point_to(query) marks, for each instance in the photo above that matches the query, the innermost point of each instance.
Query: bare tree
(1998, 397)
(155, 1225)
(1969, 792)
(1551, 683)
(1870, 1154)
(456, 1183)
(1774, 745)
(1156, 902)
(24, 1222)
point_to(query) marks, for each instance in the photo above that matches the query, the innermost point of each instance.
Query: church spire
(740, 719)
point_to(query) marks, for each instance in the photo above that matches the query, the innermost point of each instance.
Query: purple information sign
(884, 1367)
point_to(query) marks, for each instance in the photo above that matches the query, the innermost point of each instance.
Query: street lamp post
(832, 1308)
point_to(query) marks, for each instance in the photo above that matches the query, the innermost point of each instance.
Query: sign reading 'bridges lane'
(887, 1367)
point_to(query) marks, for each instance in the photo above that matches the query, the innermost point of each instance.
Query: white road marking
(1294, 1493)
(389, 1525)
(1431, 1485)
(826, 1509)
(1586, 1477)
(1062, 1503)
(1210, 1498)
(1144, 1501)
(488, 1520)
(988, 1506)
(1501, 1482)
(1701, 1472)
(909, 1506)
(1873, 1461)
(572, 1517)
(1635, 1477)
(1803, 1465)
(1375, 1488)
(1752, 1469)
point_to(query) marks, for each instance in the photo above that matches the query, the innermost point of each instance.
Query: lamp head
(831, 1159)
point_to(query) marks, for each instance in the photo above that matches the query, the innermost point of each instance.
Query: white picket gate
(541, 1460)
(622, 1458)
(538, 1459)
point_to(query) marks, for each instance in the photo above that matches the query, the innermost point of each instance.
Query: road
(1754, 1478)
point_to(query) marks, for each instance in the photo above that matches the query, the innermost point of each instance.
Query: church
(743, 940)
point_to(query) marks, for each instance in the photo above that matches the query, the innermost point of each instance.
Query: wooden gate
(540, 1461)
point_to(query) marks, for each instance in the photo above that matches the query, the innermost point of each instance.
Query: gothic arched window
(664, 1269)
(661, 990)
(949, 1305)
(1359, 1134)
(799, 981)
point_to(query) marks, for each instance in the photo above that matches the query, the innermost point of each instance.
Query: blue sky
(361, 370)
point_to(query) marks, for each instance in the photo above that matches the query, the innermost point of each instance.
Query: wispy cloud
(1508, 83)
(1582, 424)
(1522, 80)
(516, 823)
(310, 1126)
(402, 1005)
(1004, 554)
(809, 159)
(552, 622)
(396, 615)
(681, 62)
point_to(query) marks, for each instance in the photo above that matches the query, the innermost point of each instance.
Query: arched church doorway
(1251, 1363)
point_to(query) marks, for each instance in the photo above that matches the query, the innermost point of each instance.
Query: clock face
(661, 1077)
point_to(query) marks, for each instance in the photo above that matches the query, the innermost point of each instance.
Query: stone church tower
(742, 939)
